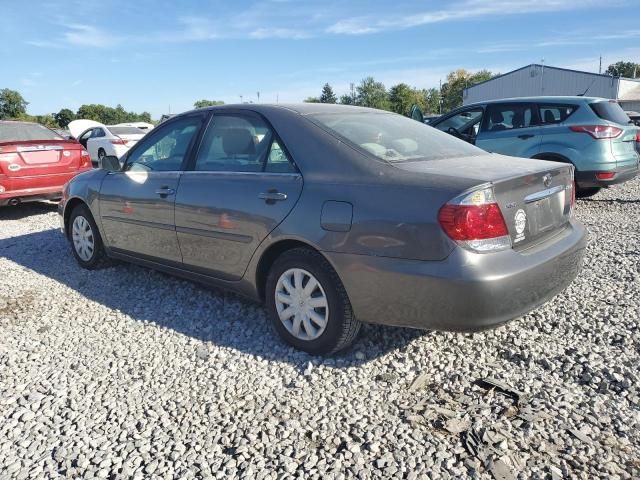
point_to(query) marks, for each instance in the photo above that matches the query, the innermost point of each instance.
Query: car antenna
(585, 92)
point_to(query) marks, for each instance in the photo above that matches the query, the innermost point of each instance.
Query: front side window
(508, 116)
(464, 124)
(394, 138)
(241, 143)
(165, 150)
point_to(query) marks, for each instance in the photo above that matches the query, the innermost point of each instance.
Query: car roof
(548, 99)
(300, 108)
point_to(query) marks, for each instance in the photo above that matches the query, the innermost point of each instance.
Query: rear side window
(508, 116)
(241, 143)
(126, 131)
(610, 111)
(25, 132)
(550, 114)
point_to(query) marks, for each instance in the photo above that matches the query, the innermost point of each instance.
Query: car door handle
(165, 191)
(524, 136)
(272, 196)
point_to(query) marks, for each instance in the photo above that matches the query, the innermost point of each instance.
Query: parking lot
(125, 372)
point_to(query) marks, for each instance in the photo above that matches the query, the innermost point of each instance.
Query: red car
(35, 162)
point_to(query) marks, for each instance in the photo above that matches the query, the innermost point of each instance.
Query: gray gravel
(126, 372)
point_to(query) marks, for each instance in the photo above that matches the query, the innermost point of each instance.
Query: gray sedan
(334, 215)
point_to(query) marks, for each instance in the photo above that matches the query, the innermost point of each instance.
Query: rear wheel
(308, 305)
(587, 192)
(86, 242)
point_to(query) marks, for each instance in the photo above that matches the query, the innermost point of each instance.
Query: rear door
(241, 186)
(510, 129)
(137, 204)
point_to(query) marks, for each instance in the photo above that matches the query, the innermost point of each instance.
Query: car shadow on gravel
(609, 201)
(210, 315)
(27, 210)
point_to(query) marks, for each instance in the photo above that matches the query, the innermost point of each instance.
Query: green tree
(431, 99)
(109, 115)
(402, 97)
(312, 100)
(456, 82)
(624, 69)
(372, 94)
(327, 95)
(64, 117)
(12, 105)
(347, 100)
(207, 103)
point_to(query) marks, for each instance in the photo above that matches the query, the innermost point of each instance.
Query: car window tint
(165, 149)
(508, 117)
(550, 114)
(98, 132)
(278, 161)
(237, 143)
(18, 131)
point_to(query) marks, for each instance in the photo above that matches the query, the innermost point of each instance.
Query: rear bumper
(588, 179)
(465, 292)
(30, 195)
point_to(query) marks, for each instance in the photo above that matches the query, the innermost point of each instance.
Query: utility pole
(600, 67)
(440, 97)
(258, 94)
(542, 78)
(353, 94)
(240, 98)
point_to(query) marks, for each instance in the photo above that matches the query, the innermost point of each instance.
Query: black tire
(587, 192)
(101, 153)
(341, 328)
(98, 258)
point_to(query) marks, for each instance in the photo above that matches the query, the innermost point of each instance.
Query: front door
(510, 129)
(242, 185)
(464, 124)
(137, 204)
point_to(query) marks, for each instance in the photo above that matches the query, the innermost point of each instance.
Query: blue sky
(155, 55)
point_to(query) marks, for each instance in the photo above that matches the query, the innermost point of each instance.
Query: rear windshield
(126, 131)
(24, 132)
(394, 138)
(610, 111)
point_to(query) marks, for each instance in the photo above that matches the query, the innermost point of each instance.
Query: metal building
(537, 80)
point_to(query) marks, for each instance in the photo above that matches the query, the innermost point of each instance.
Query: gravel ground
(126, 372)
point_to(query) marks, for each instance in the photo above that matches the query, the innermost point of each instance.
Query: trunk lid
(78, 127)
(40, 157)
(535, 196)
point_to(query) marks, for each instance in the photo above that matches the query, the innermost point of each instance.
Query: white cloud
(88, 36)
(463, 10)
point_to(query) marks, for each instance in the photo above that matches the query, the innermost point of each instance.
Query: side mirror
(416, 114)
(109, 163)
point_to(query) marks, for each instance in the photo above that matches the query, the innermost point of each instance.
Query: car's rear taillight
(118, 141)
(599, 132)
(605, 175)
(475, 222)
(85, 159)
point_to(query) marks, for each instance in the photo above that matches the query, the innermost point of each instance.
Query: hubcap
(83, 240)
(301, 304)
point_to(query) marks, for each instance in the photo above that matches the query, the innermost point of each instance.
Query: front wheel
(587, 192)
(86, 242)
(308, 305)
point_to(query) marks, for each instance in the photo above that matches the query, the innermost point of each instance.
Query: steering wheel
(454, 131)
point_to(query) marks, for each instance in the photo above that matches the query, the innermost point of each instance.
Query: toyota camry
(332, 216)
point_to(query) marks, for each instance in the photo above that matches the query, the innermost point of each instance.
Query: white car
(101, 140)
(141, 125)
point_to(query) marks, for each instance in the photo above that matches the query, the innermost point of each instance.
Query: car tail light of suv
(475, 222)
(599, 132)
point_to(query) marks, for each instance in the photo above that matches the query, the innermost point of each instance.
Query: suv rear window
(25, 132)
(611, 112)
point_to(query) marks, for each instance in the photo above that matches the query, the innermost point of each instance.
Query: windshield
(394, 138)
(126, 131)
(611, 111)
(25, 132)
